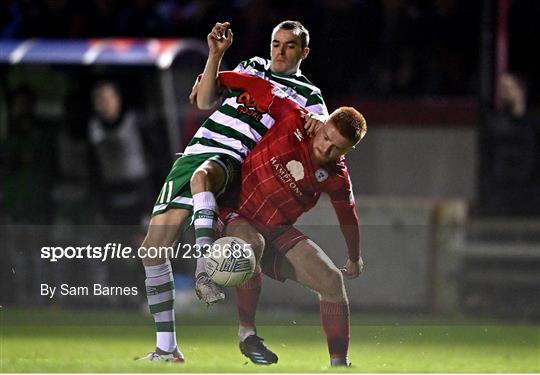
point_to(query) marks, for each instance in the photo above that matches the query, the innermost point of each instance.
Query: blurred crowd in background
(361, 47)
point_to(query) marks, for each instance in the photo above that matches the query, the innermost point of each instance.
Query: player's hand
(352, 270)
(313, 122)
(220, 38)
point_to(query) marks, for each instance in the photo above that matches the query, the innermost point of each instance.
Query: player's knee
(333, 281)
(200, 180)
(256, 240)
(208, 177)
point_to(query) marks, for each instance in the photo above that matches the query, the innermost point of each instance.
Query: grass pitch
(59, 341)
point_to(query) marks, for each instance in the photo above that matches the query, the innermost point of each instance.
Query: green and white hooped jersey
(234, 129)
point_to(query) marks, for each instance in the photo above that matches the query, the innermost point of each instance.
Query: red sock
(335, 322)
(247, 297)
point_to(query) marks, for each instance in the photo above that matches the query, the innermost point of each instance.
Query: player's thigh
(241, 228)
(307, 264)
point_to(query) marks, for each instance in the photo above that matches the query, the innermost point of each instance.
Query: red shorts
(278, 242)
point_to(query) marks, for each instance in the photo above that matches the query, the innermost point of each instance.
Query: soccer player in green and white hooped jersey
(212, 160)
(227, 132)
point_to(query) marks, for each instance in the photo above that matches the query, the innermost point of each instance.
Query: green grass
(57, 341)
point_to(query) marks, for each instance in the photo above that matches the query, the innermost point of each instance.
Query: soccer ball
(230, 262)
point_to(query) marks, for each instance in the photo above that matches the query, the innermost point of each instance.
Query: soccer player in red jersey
(282, 178)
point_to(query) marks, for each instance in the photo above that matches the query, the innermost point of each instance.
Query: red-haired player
(282, 178)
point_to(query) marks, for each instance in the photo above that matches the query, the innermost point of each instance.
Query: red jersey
(280, 181)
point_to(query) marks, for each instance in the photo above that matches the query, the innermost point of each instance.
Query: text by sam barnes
(94, 290)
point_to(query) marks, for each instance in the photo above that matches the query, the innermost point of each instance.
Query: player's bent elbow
(206, 102)
(204, 106)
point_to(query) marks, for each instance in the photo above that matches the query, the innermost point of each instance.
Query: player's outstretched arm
(206, 93)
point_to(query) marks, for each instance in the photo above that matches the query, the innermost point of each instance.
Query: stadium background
(447, 196)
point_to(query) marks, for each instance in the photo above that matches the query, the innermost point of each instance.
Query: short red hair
(350, 123)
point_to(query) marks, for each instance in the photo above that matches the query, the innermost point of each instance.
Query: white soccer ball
(230, 262)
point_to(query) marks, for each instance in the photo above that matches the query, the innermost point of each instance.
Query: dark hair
(350, 123)
(297, 29)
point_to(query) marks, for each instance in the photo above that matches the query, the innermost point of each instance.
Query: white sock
(200, 266)
(245, 332)
(160, 293)
(205, 212)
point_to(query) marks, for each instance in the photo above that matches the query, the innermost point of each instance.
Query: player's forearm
(350, 227)
(208, 90)
(260, 90)
(351, 233)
